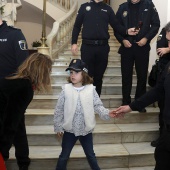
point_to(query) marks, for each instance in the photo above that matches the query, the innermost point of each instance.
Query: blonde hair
(86, 79)
(37, 68)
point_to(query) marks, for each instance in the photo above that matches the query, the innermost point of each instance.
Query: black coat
(161, 89)
(15, 96)
(95, 18)
(147, 14)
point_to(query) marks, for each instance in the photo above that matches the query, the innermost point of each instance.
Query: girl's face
(76, 78)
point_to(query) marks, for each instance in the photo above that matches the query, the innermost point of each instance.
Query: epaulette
(14, 28)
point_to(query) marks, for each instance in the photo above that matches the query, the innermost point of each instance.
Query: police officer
(141, 14)
(13, 51)
(163, 52)
(95, 16)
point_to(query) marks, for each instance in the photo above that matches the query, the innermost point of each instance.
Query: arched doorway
(107, 1)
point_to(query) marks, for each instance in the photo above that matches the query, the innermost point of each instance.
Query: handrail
(64, 4)
(60, 35)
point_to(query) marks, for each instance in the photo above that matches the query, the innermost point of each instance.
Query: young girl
(74, 116)
(16, 93)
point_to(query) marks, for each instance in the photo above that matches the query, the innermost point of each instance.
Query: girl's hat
(77, 65)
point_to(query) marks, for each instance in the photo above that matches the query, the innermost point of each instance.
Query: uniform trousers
(162, 151)
(138, 56)
(96, 58)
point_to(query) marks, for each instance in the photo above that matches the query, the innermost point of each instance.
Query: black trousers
(19, 140)
(21, 145)
(140, 57)
(162, 151)
(96, 57)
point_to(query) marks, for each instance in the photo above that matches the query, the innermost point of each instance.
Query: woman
(16, 92)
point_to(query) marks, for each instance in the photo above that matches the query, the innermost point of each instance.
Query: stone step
(60, 78)
(106, 89)
(109, 70)
(69, 55)
(66, 62)
(49, 101)
(45, 117)
(113, 47)
(114, 51)
(109, 133)
(109, 156)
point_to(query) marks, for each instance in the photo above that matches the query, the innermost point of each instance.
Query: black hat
(77, 65)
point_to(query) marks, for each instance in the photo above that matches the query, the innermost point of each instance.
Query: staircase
(119, 144)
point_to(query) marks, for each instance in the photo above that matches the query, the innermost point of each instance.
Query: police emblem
(125, 13)
(88, 8)
(23, 45)
(159, 37)
(155, 9)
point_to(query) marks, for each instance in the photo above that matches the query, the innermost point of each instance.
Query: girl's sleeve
(99, 108)
(59, 113)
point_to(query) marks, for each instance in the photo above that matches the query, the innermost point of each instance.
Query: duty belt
(95, 42)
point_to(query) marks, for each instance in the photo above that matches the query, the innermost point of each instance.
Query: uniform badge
(22, 44)
(88, 8)
(125, 13)
(159, 37)
(155, 9)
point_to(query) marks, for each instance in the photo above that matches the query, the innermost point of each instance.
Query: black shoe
(143, 110)
(155, 142)
(23, 168)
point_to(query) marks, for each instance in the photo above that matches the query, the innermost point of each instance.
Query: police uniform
(13, 51)
(129, 15)
(162, 151)
(95, 17)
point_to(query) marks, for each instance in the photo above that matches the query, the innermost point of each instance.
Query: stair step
(109, 70)
(49, 101)
(45, 117)
(109, 156)
(61, 77)
(66, 62)
(109, 133)
(107, 89)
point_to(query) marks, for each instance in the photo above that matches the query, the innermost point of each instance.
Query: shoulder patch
(159, 37)
(23, 44)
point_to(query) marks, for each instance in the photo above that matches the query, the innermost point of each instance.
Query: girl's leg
(68, 142)
(87, 144)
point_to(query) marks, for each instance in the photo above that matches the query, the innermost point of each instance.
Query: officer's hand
(74, 49)
(127, 44)
(142, 42)
(162, 51)
(132, 31)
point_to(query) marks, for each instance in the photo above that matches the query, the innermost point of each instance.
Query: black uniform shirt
(13, 49)
(162, 88)
(95, 18)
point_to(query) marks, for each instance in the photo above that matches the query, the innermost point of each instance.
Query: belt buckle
(96, 42)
